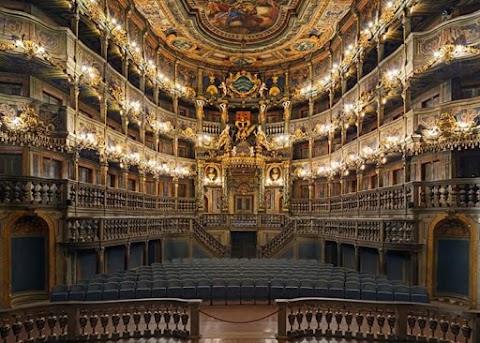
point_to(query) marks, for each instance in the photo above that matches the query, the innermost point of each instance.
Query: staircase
(280, 240)
(209, 241)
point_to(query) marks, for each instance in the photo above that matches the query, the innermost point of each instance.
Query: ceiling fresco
(244, 33)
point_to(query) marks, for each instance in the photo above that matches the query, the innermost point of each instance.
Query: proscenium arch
(473, 249)
(6, 235)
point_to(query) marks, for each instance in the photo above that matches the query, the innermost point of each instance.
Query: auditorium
(225, 171)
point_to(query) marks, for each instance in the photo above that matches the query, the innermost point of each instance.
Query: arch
(27, 224)
(460, 230)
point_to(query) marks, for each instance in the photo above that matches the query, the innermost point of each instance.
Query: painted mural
(243, 16)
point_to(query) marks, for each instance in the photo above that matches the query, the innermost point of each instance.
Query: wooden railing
(243, 220)
(32, 191)
(308, 318)
(280, 240)
(208, 240)
(367, 230)
(93, 230)
(454, 193)
(106, 320)
(36, 191)
(86, 195)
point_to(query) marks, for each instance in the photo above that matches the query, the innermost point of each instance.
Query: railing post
(402, 317)
(282, 321)
(382, 231)
(194, 320)
(72, 325)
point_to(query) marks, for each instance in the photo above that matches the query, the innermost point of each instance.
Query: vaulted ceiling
(244, 33)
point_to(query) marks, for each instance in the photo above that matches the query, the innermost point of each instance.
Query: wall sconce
(29, 47)
(90, 76)
(87, 140)
(115, 152)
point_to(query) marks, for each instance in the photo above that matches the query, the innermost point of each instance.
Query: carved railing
(58, 193)
(375, 230)
(455, 193)
(319, 318)
(214, 220)
(279, 241)
(106, 320)
(275, 128)
(91, 230)
(86, 195)
(272, 220)
(212, 128)
(243, 220)
(213, 244)
(240, 220)
(32, 191)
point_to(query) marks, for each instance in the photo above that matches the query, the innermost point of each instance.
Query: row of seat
(248, 289)
(239, 279)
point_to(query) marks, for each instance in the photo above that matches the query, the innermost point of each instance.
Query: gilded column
(200, 187)
(261, 189)
(287, 111)
(199, 104)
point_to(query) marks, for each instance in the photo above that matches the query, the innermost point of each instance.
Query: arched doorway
(452, 259)
(29, 256)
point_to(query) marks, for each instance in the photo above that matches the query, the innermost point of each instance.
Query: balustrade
(214, 220)
(210, 241)
(378, 231)
(279, 240)
(275, 128)
(243, 220)
(32, 191)
(211, 128)
(107, 320)
(93, 196)
(454, 193)
(308, 318)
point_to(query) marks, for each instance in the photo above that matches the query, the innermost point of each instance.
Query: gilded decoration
(245, 84)
(258, 32)
(245, 128)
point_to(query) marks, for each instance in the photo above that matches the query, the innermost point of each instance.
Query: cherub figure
(223, 87)
(262, 89)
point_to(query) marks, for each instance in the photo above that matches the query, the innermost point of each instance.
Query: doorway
(244, 244)
(29, 255)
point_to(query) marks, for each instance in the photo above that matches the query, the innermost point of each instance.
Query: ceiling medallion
(242, 61)
(180, 43)
(304, 45)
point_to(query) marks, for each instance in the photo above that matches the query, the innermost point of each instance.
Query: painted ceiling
(244, 33)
